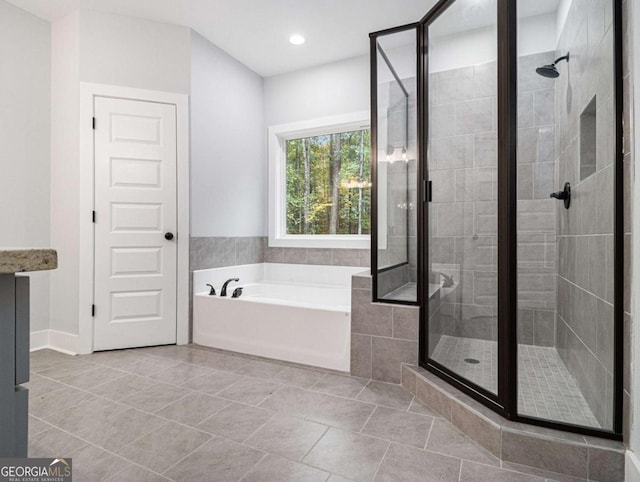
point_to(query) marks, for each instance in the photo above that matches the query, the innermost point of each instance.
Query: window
(329, 184)
(320, 183)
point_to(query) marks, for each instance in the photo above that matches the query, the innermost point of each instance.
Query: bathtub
(290, 312)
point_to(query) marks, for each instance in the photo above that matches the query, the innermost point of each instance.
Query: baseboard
(39, 340)
(632, 467)
(54, 340)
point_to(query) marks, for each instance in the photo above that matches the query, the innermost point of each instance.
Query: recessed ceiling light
(297, 39)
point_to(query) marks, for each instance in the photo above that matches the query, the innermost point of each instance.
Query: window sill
(319, 241)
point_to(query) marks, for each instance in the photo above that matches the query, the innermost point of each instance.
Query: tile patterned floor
(193, 414)
(546, 388)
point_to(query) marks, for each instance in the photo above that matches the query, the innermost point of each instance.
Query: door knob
(168, 236)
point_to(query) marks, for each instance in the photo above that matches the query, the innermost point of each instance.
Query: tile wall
(536, 210)
(584, 318)
(463, 172)
(218, 252)
(383, 336)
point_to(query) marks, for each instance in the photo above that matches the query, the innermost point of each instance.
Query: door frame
(88, 93)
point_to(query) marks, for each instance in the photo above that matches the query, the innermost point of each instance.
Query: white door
(135, 223)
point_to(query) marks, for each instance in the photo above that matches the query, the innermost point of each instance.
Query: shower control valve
(564, 195)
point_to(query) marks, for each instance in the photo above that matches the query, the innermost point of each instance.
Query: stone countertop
(20, 260)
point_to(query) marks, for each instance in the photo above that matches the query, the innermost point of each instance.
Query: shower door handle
(427, 191)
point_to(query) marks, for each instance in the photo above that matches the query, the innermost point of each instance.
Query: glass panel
(462, 169)
(565, 249)
(397, 166)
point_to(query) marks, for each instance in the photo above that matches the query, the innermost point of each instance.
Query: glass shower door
(462, 174)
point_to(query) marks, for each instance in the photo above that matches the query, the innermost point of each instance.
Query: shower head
(550, 70)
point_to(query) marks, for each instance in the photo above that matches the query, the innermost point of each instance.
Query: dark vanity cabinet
(14, 365)
(14, 343)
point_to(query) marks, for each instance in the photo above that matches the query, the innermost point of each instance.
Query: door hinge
(93, 123)
(93, 216)
(429, 192)
(93, 310)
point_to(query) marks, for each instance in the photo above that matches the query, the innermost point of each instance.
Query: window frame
(278, 136)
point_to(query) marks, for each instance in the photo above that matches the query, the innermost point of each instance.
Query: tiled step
(573, 455)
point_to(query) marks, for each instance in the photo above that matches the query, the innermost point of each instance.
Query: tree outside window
(328, 184)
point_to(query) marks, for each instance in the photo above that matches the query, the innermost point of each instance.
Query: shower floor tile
(546, 388)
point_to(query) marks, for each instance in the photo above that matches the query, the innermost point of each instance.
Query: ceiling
(256, 32)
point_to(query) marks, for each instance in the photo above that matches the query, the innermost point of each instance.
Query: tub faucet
(224, 286)
(212, 291)
(237, 293)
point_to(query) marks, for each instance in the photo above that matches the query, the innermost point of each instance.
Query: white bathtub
(296, 313)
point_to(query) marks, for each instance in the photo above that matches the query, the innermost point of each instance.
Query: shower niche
(483, 113)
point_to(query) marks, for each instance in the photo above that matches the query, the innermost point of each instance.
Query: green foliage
(354, 191)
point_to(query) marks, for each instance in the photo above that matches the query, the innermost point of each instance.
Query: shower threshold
(546, 388)
(554, 454)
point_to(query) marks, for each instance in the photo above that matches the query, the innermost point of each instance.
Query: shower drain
(472, 361)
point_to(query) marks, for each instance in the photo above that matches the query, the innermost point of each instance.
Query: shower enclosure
(497, 124)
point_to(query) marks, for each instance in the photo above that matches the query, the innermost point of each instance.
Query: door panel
(461, 285)
(140, 261)
(136, 173)
(135, 189)
(136, 217)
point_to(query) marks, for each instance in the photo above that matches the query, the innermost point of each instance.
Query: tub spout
(224, 286)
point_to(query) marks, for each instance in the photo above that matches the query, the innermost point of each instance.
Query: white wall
(106, 49)
(132, 52)
(228, 145)
(402, 58)
(64, 171)
(25, 68)
(342, 87)
(323, 91)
